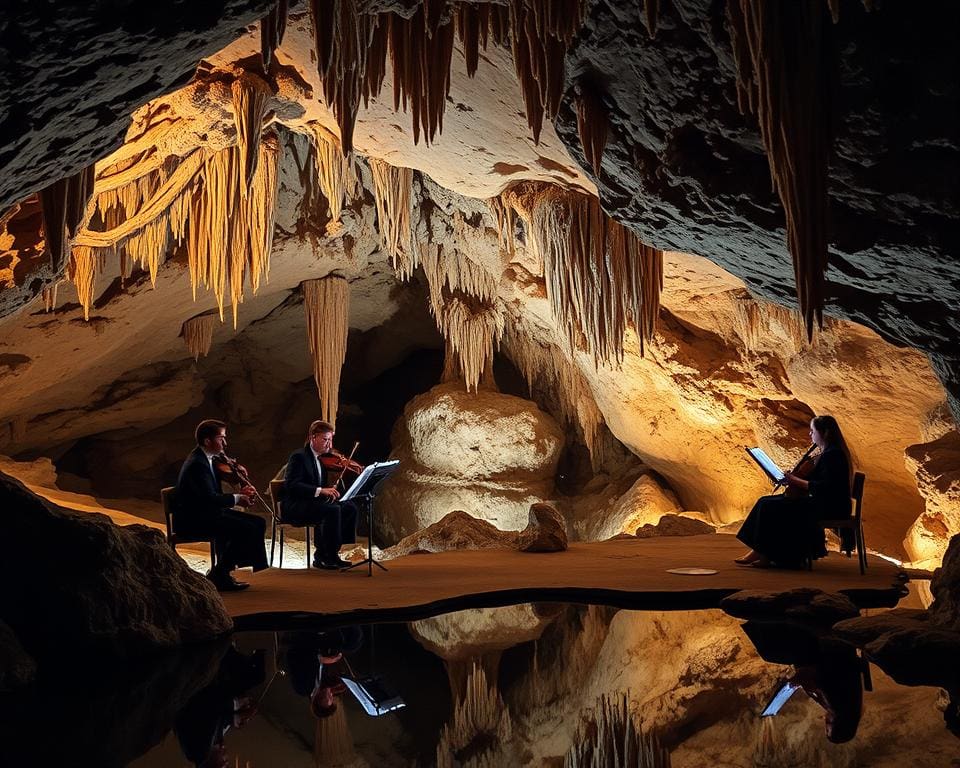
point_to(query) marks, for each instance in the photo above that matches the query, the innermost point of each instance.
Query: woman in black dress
(784, 529)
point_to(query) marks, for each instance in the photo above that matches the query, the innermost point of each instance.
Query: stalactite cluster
(352, 49)
(231, 233)
(346, 42)
(599, 275)
(334, 170)
(592, 123)
(327, 304)
(82, 270)
(228, 232)
(478, 717)
(272, 27)
(782, 74)
(50, 296)
(197, 333)
(547, 370)
(64, 208)
(540, 33)
(393, 194)
(613, 737)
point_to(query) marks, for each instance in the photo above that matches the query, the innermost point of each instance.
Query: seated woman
(784, 529)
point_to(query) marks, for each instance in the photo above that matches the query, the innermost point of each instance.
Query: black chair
(854, 523)
(167, 499)
(278, 523)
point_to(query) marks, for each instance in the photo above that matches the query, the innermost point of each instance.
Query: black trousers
(238, 537)
(334, 524)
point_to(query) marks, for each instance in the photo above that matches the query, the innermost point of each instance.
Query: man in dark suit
(202, 511)
(306, 499)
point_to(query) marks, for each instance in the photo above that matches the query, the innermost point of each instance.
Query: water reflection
(519, 685)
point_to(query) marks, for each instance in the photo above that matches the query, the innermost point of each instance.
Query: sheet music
(767, 464)
(366, 473)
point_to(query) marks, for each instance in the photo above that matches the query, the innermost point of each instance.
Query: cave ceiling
(181, 89)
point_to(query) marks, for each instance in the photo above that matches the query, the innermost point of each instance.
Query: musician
(202, 511)
(310, 498)
(783, 529)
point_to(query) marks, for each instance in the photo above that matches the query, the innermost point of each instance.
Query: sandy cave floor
(630, 573)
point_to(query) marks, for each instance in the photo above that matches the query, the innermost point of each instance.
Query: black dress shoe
(226, 582)
(330, 565)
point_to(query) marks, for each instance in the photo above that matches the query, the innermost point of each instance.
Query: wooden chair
(278, 524)
(167, 499)
(854, 523)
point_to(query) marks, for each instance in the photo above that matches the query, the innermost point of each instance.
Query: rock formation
(97, 587)
(546, 530)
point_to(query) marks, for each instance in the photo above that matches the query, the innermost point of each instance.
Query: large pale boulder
(96, 586)
(489, 454)
(545, 532)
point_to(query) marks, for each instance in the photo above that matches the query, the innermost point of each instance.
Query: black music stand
(363, 491)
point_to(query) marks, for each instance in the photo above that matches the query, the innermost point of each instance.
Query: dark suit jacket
(301, 481)
(199, 501)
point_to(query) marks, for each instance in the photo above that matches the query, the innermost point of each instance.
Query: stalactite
(651, 11)
(63, 207)
(272, 27)
(548, 370)
(326, 302)
(334, 171)
(343, 39)
(479, 712)
(592, 122)
(249, 98)
(756, 322)
(613, 737)
(420, 56)
(197, 334)
(540, 33)
(506, 225)
(598, 274)
(50, 296)
(393, 194)
(82, 270)
(782, 74)
(473, 330)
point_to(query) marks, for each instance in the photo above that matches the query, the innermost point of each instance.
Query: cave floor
(629, 573)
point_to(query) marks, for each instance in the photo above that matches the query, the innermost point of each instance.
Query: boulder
(97, 586)
(945, 586)
(675, 525)
(455, 530)
(489, 454)
(546, 531)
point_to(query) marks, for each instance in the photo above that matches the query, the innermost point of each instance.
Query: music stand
(364, 490)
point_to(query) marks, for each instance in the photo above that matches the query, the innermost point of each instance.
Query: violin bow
(349, 458)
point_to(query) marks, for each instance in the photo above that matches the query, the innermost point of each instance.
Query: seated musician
(783, 529)
(202, 511)
(309, 498)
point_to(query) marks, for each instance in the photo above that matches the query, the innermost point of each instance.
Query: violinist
(202, 511)
(310, 497)
(783, 529)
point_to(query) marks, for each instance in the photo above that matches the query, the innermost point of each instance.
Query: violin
(803, 470)
(233, 472)
(337, 465)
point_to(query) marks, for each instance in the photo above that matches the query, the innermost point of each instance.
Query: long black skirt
(784, 530)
